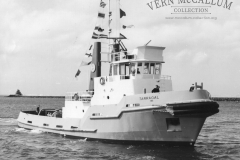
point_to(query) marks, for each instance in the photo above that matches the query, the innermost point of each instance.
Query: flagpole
(109, 29)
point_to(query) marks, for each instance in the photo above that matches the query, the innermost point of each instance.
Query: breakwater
(212, 98)
(226, 99)
(37, 96)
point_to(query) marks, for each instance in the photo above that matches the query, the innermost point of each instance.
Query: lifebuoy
(102, 81)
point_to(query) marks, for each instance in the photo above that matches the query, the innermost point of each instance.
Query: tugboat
(134, 103)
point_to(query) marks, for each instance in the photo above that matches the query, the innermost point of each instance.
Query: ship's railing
(120, 56)
(166, 77)
(84, 96)
(139, 76)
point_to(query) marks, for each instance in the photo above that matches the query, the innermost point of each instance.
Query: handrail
(117, 58)
(130, 76)
(117, 52)
(165, 77)
(84, 96)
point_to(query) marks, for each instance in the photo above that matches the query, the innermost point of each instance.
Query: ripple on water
(219, 139)
(8, 121)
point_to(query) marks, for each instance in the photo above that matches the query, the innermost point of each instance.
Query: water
(218, 140)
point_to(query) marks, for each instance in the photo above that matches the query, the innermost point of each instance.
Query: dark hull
(197, 109)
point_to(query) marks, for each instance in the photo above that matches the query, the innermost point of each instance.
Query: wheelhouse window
(127, 69)
(157, 68)
(139, 68)
(152, 67)
(115, 69)
(146, 68)
(122, 69)
(110, 70)
(132, 69)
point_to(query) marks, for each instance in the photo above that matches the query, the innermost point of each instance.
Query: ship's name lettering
(146, 98)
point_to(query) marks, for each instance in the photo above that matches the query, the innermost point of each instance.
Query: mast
(114, 32)
(109, 20)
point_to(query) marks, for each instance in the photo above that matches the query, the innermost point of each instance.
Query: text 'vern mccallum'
(155, 4)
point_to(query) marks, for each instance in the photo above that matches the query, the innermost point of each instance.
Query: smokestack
(96, 64)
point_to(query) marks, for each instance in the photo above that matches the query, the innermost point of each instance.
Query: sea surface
(219, 138)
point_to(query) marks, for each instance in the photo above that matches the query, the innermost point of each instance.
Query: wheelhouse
(136, 69)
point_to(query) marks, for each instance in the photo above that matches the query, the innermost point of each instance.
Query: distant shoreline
(226, 99)
(15, 96)
(213, 98)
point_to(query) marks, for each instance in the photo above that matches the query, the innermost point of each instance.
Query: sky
(43, 43)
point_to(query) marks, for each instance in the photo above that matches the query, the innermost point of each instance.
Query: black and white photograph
(120, 79)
